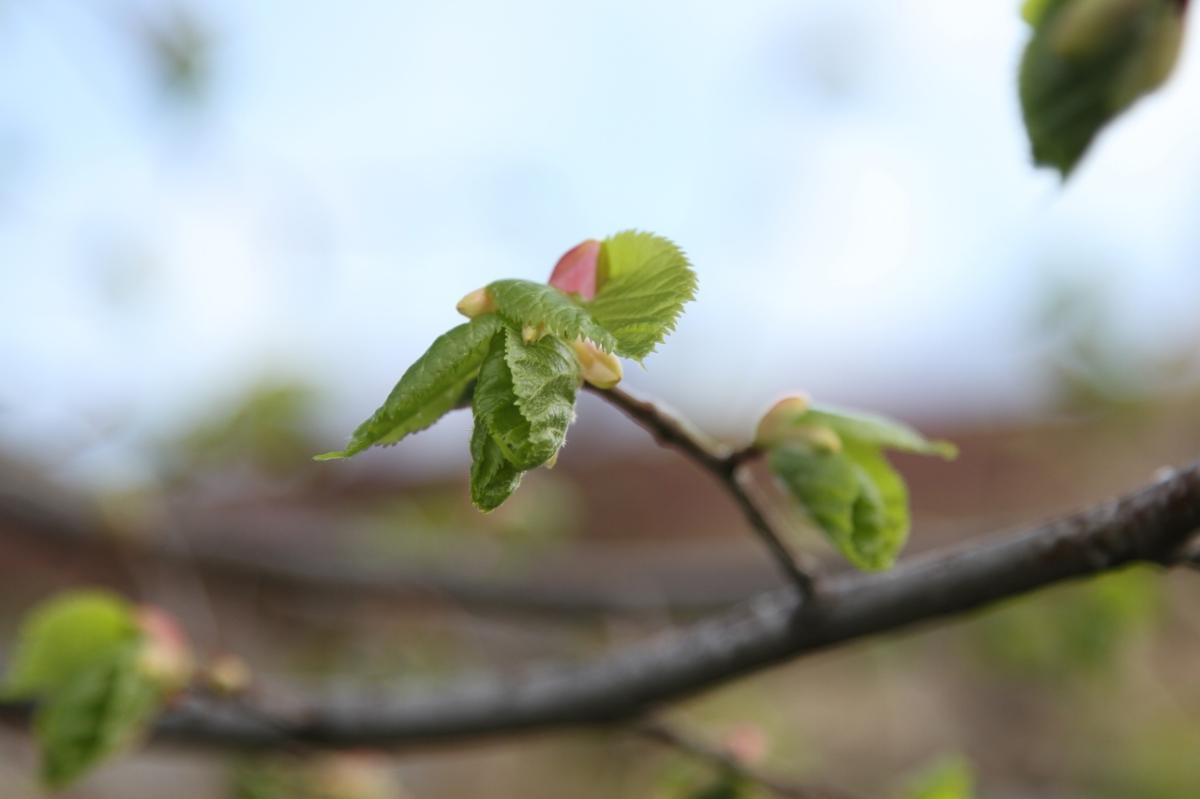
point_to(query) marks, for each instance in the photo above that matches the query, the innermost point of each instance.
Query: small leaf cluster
(519, 362)
(1087, 62)
(96, 677)
(832, 462)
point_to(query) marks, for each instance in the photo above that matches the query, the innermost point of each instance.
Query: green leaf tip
(432, 387)
(1087, 62)
(524, 303)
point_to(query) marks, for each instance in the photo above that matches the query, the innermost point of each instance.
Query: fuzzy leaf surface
(523, 302)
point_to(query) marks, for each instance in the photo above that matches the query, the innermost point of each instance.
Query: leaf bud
(477, 303)
(777, 421)
(575, 272)
(166, 655)
(785, 422)
(228, 675)
(533, 333)
(601, 369)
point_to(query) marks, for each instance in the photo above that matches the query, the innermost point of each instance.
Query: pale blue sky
(849, 176)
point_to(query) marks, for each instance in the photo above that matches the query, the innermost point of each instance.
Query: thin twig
(723, 759)
(724, 463)
(1149, 525)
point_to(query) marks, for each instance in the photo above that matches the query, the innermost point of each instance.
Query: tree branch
(1150, 525)
(60, 523)
(721, 758)
(722, 462)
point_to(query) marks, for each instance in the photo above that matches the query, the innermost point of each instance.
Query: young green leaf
(429, 389)
(96, 713)
(853, 495)
(545, 380)
(525, 303)
(1089, 61)
(881, 520)
(795, 419)
(643, 281)
(525, 396)
(877, 431)
(493, 477)
(65, 635)
(524, 402)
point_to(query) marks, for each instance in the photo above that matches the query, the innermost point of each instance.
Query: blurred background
(226, 229)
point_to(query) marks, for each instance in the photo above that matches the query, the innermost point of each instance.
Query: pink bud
(477, 303)
(747, 743)
(166, 655)
(575, 272)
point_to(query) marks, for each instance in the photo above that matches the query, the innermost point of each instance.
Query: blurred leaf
(525, 303)
(1032, 11)
(66, 635)
(1095, 363)
(643, 282)
(1072, 629)
(262, 778)
(689, 778)
(179, 46)
(1087, 62)
(269, 425)
(337, 776)
(429, 389)
(1156, 761)
(436, 527)
(96, 713)
(728, 785)
(949, 779)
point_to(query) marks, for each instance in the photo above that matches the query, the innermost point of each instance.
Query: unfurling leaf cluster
(98, 674)
(832, 462)
(520, 360)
